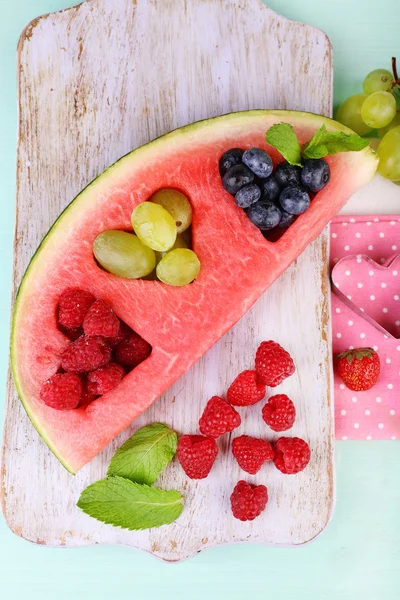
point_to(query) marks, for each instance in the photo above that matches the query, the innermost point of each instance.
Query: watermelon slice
(237, 265)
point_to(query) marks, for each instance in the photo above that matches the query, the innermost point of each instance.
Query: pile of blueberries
(271, 198)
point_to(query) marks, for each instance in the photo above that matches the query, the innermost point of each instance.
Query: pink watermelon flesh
(237, 266)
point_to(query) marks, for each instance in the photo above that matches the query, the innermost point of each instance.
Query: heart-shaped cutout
(371, 289)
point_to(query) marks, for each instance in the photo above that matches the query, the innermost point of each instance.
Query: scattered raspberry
(218, 418)
(247, 389)
(359, 368)
(62, 391)
(87, 397)
(292, 455)
(248, 500)
(273, 363)
(279, 413)
(251, 453)
(123, 332)
(72, 334)
(73, 305)
(100, 319)
(196, 455)
(132, 351)
(105, 379)
(86, 354)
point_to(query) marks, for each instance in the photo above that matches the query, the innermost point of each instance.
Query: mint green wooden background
(358, 556)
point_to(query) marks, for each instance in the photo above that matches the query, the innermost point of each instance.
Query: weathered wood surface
(96, 81)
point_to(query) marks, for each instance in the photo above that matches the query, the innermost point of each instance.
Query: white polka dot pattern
(375, 287)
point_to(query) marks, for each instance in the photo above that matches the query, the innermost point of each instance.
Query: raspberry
(73, 305)
(100, 319)
(279, 412)
(123, 331)
(196, 455)
(86, 354)
(62, 391)
(248, 500)
(105, 379)
(273, 363)
(291, 455)
(247, 389)
(251, 453)
(87, 397)
(218, 418)
(132, 351)
(72, 334)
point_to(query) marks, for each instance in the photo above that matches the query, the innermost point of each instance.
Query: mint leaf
(143, 457)
(122, 503)
(282, 137)
(326, 142)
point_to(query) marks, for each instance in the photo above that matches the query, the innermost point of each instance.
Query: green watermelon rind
(174, 135)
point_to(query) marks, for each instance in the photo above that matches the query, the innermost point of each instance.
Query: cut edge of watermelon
(178, 139)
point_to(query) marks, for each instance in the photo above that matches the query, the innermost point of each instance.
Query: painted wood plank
(96, 81)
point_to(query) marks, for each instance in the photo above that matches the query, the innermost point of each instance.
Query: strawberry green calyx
(358, 353)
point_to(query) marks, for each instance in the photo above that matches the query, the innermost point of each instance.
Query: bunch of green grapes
(377, 109)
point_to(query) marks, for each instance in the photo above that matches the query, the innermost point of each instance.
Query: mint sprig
(324, 143)
(125, 499)
(123, 503)
(144, 455)
(283, 137)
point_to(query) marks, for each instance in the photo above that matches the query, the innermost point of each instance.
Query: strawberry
(359, 368)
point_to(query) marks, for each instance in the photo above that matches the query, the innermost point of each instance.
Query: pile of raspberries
(102, 351)
(197, 453)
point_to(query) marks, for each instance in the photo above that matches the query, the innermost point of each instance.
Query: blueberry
(315, 174)
(237, 177)
(265, 215)
(258, 161)
(229, 159)
(247, 195)
(270, 189)
(287, 174)
(294, 200)
(286, 219)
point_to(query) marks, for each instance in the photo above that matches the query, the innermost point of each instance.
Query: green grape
(379, 80)
(179, 243)
(389, 155)
(154, 226)
(177, 205)
(378, 109)
(349, 113)
(178, 267)
(123, 254)
(392, 124)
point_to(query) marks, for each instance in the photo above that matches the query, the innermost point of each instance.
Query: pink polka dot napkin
(365, 264)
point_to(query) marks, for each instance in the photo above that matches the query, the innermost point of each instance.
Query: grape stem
(395, 74)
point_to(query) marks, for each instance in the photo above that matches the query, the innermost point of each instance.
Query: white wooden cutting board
(96, 81)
